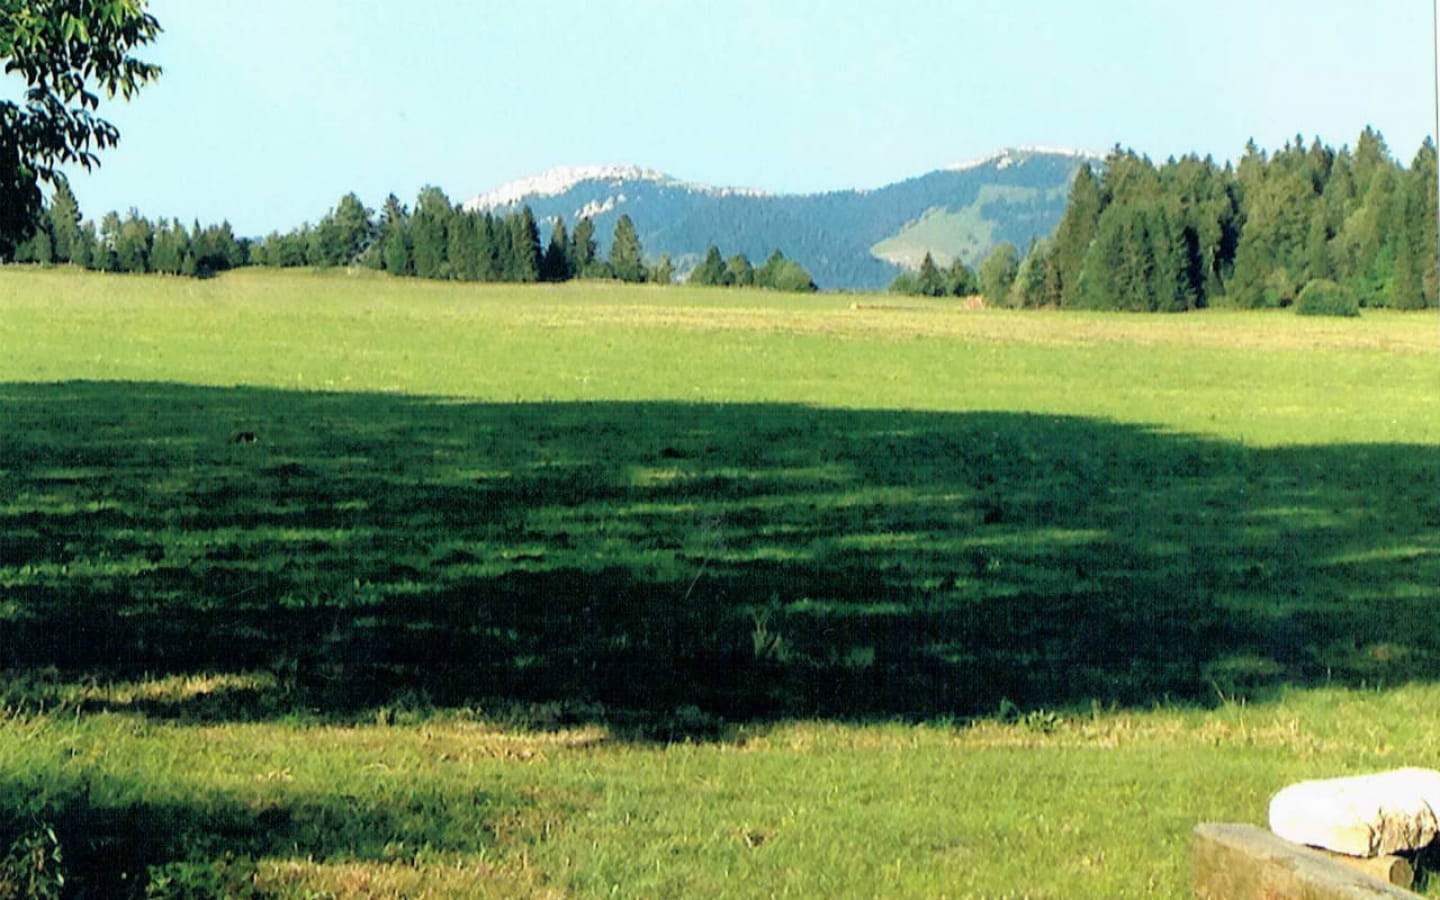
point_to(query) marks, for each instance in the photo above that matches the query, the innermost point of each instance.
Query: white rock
(1365, 815)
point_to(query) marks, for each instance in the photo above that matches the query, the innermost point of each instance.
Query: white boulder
(1364, 815)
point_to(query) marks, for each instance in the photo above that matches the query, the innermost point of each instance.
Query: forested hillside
(852, 239)
(1191, 233)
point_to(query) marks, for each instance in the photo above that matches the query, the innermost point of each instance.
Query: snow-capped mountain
(561, 180)
(847, 239)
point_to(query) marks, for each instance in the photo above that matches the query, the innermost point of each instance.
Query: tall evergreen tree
(464, 246)
(1076, 232)
(1415, 233)
(132, 243)
(625, 253)
(663, 272)
(556, 264)
(106, 259)
(488, 242)
(582, 247)
(167, 255)
(997, 273)
(525, 247)
(711, 271)
(83, 251)
(739, 272)
(961, 280)
(929, 281)
(352, 229)
(393, 238)
(64, 216)
(429, 241)
(1276, 233)
(1032, 285)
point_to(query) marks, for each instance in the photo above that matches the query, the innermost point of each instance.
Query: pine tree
(556, 264)
(428, 233)
(525, 247)
(64, 218)
(625, 253)
(394, 244)
(395, 250)
(1365, 245)
(997, 273)
(167, 255)
(1275, 237)
(82, 252)
(347, 231)
(464, 246)
(711, 271)
(781, 274)
(1031, 287)
(739, 272)
(929, 281)
(105, 258)
(1076, 232)
(961, 280)
(1414, 233)
(582, 248)
(488, 248)
(662, 272)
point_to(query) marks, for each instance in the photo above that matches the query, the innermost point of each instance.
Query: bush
(1323, 297)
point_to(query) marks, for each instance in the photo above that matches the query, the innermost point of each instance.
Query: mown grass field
(603, 591)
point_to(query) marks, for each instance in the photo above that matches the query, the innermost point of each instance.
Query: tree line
(131, 244)
(1191, 233)
(443, 240)
(435, 240)
(777, 273)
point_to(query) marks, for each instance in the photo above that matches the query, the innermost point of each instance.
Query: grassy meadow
(338, 586)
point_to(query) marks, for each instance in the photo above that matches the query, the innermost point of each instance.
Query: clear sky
(269, 110)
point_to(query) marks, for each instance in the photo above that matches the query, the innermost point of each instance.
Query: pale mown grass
(552, 801)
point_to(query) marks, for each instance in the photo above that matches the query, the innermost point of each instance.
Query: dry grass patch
(449, 879)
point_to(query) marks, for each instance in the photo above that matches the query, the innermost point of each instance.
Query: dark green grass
(673, 567)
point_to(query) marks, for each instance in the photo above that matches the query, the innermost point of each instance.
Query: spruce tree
(64, 218)
(997, 273)
(1414, 234)
(1030, 289)
(929, 281)
(556, 264)
(391, 235)
(582, 248)
(353, 229)
(464, 246)
(625, 253)
(429, 240)
(488, 248)
(525, 247)
(82, 252)
(711, 271)
(1076, 231)
(167, 254)
(1276, 234)
(739, 272)
(960, 280)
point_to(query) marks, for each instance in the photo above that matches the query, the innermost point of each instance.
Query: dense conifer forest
(1353, 226)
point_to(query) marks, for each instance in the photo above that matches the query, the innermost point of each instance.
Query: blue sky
(269, 110)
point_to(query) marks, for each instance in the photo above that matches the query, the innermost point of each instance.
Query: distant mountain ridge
(851, 239)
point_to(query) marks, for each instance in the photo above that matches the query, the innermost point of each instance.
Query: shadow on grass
(112, 843)
(673, 565)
